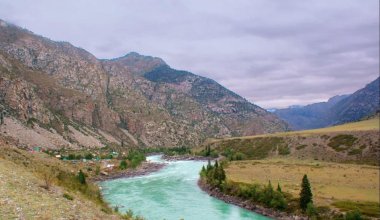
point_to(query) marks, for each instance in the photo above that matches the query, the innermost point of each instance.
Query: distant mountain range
(337, 110)
(59, 95)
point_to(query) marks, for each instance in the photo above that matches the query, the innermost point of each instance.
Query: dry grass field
(331, 182)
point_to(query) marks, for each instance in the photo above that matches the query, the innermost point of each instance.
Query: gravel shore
(144, 169)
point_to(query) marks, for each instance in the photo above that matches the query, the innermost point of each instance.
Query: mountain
(363, 103)
(337, 110)
(57, 95)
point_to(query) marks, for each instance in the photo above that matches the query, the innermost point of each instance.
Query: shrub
(135, 157)
(67, 196)
(353, 215)
(310, 210)
(89, 156)
(48, 178)
(365, 208)
(342, 140)
(301, 146)
(284, 150)
(355, 152)
(123, 165)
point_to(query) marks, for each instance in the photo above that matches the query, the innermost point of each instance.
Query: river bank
(215, 192)
(144, 169)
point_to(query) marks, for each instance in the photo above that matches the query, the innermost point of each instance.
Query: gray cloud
(274, 53)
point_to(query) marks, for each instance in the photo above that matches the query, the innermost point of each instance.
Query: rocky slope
(337, 110)
(137, 100)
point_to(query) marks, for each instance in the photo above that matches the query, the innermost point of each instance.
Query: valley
(93, 130)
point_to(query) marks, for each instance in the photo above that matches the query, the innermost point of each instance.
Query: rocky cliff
(138, 100)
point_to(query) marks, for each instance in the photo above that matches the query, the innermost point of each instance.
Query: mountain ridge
(337, 110)
(121, 97)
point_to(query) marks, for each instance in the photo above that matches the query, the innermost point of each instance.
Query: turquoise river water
(172, 194)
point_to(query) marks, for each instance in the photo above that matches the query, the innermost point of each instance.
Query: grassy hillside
(34, 185)
(366, 125)
(353, 142)
(341, 163)
(334, 185)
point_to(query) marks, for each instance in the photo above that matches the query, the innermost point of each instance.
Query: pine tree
(81, 177)
(203, 169)
(222, 174)
(216, 164)
(279, 187)
(267, 194)
(209, 167)
(305, 195)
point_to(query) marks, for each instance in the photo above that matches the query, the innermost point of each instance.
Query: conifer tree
(203, 169)
(306, 196)
(279, 187)
(222, 174)
(209, 167)
(81, 177)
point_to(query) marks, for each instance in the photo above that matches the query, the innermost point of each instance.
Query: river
(172, 194)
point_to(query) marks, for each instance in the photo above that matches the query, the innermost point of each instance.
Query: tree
(279, 187)
(203, 171)
(222, 174)
(305, 195)
(209, 167)
(267, 195)
(310, 210)
(278, 200)
(81, 177)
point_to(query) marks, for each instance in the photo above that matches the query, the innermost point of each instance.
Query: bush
(353, 215)
(310, 210)
(135, 157)
(278, 201)
(346, 140)
(123, 165)
(365, 208)
(283, 150)
(89, 156)
(67, 196)
(301, 146)
(48, 178)
(355, 152)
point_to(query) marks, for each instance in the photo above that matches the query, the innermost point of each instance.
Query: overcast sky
(274, 53)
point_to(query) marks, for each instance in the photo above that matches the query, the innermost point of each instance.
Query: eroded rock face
(137, 99)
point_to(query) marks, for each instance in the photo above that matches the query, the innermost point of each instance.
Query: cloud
(274, 53)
